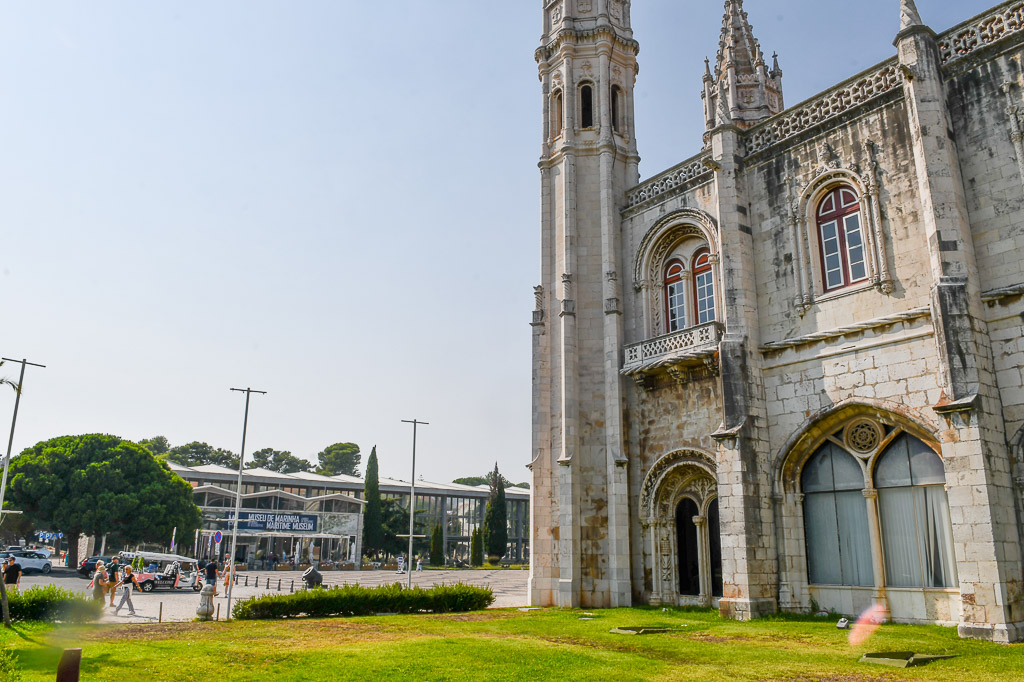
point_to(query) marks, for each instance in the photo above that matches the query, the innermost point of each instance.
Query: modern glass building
(279, 501)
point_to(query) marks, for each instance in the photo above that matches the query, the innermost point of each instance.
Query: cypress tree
(476, 549)
(495, 534)
(437, 547)
(373, 521)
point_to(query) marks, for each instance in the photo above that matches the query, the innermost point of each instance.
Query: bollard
(247, 581)
(205, 609)
(278, 584)
(292, 588)
(236, 578)
(218, 611)
(160, 618)
(70, 665)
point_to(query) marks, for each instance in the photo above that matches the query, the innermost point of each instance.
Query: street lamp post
(412, 495)
(14, 421)
(238, 494)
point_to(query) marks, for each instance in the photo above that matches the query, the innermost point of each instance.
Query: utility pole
(14, 421)
(412, 494)
(238, 495)
(7, 462)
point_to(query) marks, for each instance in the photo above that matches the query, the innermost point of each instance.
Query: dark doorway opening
(686, 538)
(715, 540)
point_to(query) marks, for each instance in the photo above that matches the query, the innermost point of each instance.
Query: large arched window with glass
(703, 287)
(675, 295)
(916, 532)
(835, 519)
(841, 239)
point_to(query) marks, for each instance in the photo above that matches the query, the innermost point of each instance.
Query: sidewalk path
(509, 586)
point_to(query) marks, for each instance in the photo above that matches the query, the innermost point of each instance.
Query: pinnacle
(909, 16)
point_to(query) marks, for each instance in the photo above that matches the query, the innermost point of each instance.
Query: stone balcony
(675, 353)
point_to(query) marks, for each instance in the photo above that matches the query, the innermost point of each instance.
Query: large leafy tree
(96, 484)
(340, 458)
(197, 454)
(495, 535)
(373, 528)
(278, 460)
(158, 445)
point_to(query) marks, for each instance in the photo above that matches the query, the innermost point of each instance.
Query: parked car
(88, 565)
(29, 561)
(45, 551)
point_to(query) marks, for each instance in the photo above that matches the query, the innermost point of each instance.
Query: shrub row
(52, 604)
(356, 600)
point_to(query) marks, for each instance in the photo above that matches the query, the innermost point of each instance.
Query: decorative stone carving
(830, 105)
(685, 175)
(998, 24)
(585, 6)
(862, 436)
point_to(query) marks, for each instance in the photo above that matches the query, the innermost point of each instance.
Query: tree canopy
(197, 454)
(158, 445)
(277, 460)
(476, 481)
(340, 458)
(96, 484)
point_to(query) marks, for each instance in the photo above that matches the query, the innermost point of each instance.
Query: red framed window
(841, 239)
(675, 295)
(703, 287)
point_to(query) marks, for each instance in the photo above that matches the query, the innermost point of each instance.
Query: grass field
(505, 645)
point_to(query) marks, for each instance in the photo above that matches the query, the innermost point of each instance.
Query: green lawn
(505, 645)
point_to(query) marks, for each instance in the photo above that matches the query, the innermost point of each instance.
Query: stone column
(703, 559)
(749, 564)
(874, 532)
(976, 459)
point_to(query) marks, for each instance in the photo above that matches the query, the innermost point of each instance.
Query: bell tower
(580, 535)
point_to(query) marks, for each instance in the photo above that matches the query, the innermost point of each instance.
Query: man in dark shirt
(12, 572)
(113, 577)
(211, 576)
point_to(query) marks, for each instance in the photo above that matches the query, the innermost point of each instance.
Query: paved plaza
(510, 589)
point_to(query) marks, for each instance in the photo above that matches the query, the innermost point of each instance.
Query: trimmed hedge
(52, 604)
(356, 600)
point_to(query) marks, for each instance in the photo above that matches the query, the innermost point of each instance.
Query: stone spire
(741, 84)
(909, 16)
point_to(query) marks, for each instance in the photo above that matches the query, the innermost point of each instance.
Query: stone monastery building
(786, 372)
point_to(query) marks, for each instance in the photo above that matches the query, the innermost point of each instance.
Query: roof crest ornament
(909, 16)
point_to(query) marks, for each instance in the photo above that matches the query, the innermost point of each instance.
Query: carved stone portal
(682, 476)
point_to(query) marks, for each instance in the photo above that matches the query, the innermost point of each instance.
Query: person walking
(228, 568)
(12, 573)
(113, 577)
(128, 581)
(211, 576)
(99, 582)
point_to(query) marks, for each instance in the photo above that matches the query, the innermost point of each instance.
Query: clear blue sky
(334, 201)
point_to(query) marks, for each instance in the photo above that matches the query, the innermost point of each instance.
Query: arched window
(675, 296)
(836, 519)
(557, 114)
(616, 108)
(703, 287)
(587, 106)
(841, 239)
(916, 533)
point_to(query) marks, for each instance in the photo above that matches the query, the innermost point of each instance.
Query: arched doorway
(681, 526)
(687, 544)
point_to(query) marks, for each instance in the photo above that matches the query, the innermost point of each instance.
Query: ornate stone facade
(836, 287)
